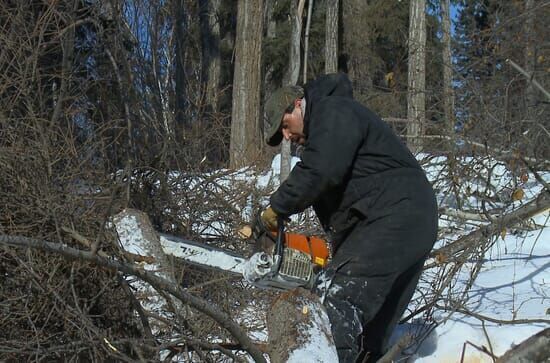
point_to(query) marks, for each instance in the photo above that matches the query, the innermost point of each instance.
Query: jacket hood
(334, 84)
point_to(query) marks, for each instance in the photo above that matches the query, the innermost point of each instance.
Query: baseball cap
(274, 111)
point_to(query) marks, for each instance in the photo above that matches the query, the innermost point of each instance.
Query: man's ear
(298, 102)
(286, 134)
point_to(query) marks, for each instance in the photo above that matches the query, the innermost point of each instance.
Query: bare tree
(416, 104)
(245, 115)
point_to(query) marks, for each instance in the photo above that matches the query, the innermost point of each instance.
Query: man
(372, 198)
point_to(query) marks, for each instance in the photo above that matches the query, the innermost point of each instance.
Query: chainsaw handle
(279, 243)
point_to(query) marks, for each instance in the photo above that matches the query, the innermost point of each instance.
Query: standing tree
(293, 72)
(245, 115)
(331, 37)
(180, 35)
(448, 95)
(530, 56)
(416, 107)
(210, 38)
(356, 42)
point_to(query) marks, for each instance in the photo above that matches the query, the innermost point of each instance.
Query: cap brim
(275, 139)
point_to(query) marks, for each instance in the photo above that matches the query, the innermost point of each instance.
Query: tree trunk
(331, 37)
(245, 114)
(210, 38)
(291, 77)
(448, 96)
(293, 71)
(529, 29)
(180, 35)
(270, 34)
(306, 39)
(416, 105)
(355, 44)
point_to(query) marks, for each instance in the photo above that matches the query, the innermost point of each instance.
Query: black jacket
(353, 166)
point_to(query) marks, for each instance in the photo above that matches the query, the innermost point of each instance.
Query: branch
(529, 77)
(493, 320)
(155, 281)
(463, 215)
(536, 206)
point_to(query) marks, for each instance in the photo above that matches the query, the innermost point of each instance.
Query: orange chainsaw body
(316, 247)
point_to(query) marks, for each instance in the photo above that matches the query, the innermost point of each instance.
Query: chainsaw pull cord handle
(279, 243)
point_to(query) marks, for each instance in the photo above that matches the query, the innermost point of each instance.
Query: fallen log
(297, 323)
(532, 350)
(299, 329)
(534, 207)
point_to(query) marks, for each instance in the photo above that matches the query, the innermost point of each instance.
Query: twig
(488, 340)
(482, 349)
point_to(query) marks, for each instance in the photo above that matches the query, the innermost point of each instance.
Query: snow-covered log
(537, 205)
(137, 236)
(532, 350)
(299, 329)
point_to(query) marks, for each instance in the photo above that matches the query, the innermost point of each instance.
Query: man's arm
(335, 135)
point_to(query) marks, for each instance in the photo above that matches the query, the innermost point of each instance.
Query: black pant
(371, 279)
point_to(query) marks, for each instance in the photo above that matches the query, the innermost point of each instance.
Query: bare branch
(155, 281)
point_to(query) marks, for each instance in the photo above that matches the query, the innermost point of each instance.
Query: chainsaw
(280, 261)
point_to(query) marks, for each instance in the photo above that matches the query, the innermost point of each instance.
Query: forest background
(102, 101)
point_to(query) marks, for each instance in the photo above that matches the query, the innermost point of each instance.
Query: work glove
(269, 219)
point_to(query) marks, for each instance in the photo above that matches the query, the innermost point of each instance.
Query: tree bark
(306, 39)
(291, 77)
(210, 38)
(448, 95)
(271, 31)
(331, 37)
(293, 71)
(293, 319)
(245, 114)
(532, 350)
(356, 42)
(180, 35)
(530, 50)
(416, 103)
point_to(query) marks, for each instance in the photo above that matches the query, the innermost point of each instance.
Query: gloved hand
(269, 219)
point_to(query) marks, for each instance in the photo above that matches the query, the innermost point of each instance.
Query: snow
(512, 285)
(319, 347)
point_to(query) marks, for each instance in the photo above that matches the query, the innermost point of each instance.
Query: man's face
(292, 125)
